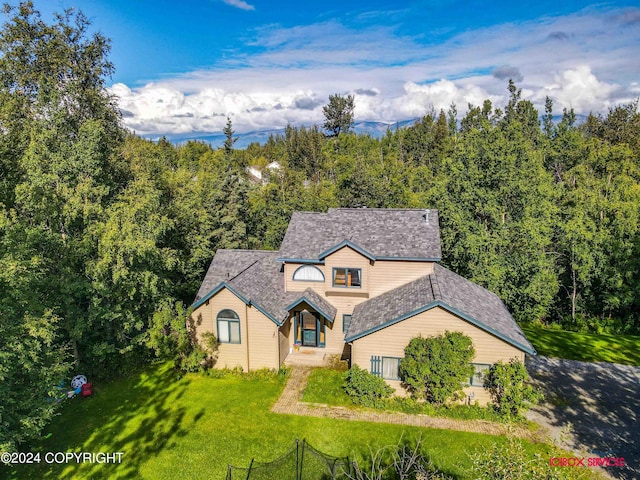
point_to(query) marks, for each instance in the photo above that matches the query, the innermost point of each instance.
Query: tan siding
(391, 341)
(229, 355)
(346, 258)
(387, 275)
(262, 341)
(285, 340)
(335, 337)
(296, 286)
(378, 278)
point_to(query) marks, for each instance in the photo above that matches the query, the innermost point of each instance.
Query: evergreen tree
(338, 114)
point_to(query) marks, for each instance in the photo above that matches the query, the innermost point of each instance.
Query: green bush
(510, 461)
(506, 382)
(366, 389)
(171, 336)
(435, 368)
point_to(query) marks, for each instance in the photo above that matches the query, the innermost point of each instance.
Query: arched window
(228, 326)
(308, 273)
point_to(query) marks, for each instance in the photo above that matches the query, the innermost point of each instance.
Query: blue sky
(182, 67)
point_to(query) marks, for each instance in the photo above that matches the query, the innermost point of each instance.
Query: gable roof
(257, 279)
(376, 233)
(444, 289)
(315, 301)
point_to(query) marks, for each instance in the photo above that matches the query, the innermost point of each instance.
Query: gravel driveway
(602, 403)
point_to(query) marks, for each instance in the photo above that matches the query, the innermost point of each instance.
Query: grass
(586, 347)
(325, 386)
(193, 427)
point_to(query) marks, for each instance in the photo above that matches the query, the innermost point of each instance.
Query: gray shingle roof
(228, 264)
(382, 233)
(258, 278)
(444, 288)
(315, 300)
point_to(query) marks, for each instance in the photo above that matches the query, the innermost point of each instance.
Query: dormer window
(308, 273)
(347, 277)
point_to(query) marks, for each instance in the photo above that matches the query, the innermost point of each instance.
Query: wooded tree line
(100, 229)
(542, 212)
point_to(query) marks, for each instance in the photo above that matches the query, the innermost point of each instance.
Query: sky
(183, 67)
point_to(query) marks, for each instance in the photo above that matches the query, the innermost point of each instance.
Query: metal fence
(300, 462)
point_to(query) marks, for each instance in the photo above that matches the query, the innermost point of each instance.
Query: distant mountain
(216, 140)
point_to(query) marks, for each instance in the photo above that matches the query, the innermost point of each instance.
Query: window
(346, 321)
(308, 273)
(391, 368)
(480, 371)
(228, 327)
(386, 367)
(347, 277)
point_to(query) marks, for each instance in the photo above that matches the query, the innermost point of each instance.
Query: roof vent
(426, 216)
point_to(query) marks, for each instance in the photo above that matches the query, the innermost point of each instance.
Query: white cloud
(579, 89)
(419, 99)
(241, 4)
(580, 60)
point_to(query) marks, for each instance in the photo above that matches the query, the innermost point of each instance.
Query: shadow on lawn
(602, 403)
(139, 416)
(585, 346)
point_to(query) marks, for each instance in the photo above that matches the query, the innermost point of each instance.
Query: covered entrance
(311, 318)
(308, 329)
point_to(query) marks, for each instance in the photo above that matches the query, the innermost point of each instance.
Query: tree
(435, 368)
(60, 129)
(53, 77)
(32, 362)
(229, 139)
(338, 114)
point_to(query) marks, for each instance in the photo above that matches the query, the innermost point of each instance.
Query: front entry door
(309, 329)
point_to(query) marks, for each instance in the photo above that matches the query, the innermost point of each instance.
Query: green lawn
(191, 428)
(587, 347)
(325, 386)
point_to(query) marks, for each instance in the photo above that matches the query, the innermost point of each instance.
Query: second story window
(347, 277)
(308, 273)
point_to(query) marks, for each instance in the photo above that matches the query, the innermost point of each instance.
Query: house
(359, 283)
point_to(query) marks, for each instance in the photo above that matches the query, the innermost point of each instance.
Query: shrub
(506, 382)
(511, 462)
(435, 368)
(366, 389)
(402, 461)
(172, 336)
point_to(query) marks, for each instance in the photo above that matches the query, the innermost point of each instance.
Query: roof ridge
(382, 209)
(435, 286)
(246, 250)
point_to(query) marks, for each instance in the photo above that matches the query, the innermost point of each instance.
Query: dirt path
(289, 403)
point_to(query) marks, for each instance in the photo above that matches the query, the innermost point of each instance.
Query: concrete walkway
(289, 403)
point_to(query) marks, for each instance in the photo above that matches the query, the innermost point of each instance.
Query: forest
(104, 235)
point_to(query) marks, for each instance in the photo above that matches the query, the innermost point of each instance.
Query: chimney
(426, 216)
